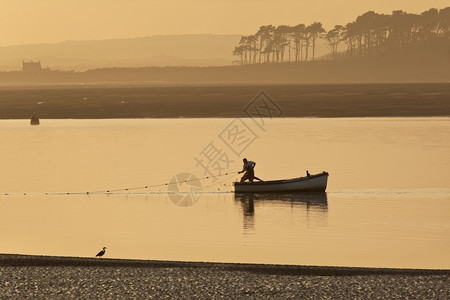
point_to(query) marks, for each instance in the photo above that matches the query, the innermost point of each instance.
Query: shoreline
(46, 277)
(290, 101)
(22, 260)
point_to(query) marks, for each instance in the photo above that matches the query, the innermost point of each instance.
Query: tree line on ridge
(370, 34)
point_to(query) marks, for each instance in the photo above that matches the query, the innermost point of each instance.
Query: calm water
(387, 202)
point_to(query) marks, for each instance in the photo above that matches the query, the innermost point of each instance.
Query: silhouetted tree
(282, 33)
(264, 35)
(334, 37)
(315, 30)
(349, 35)
(239, 51)
(429, 25)
(251, 41)
(298, 36)
(444, 22)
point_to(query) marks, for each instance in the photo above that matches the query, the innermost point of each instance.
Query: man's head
(244, 160)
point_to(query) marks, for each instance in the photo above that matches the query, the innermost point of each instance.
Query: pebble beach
(45, 277)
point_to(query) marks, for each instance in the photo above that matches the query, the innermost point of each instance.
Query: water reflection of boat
(34, 119)
(310, 199)
(315, 205)
(311, 183)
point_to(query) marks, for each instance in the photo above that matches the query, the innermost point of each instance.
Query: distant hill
(164, 50)
(425, 62)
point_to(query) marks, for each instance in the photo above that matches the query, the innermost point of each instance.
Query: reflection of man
(249, 169)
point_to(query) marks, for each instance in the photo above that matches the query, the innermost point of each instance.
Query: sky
(50, 21)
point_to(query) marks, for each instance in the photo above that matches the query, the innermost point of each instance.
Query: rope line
(226, 179)
(110, 191)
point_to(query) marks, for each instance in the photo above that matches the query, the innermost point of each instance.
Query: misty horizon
(55, 22)
(159, 50)
(211, 49)
(373, 47)
(121, 38)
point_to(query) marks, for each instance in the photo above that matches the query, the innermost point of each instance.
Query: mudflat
(45, 277)
(208, 101)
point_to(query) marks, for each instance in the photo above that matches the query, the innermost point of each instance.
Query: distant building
(31, 66)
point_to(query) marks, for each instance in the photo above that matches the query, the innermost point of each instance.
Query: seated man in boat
(249, 169)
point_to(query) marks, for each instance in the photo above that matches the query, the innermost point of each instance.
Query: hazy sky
(42, 21)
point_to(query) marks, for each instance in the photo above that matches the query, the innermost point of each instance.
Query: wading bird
(101, 253)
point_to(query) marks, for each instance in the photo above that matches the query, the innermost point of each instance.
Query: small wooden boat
(34, 119)
(312, 183)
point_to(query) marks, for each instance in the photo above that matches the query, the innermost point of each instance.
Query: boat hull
(313, 183)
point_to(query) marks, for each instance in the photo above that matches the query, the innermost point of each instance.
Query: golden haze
(29, 21)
